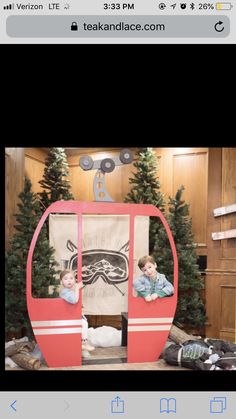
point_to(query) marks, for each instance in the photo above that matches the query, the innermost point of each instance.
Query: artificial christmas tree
(43, 267)
(56, 186)
(146, 188)
(190, 311)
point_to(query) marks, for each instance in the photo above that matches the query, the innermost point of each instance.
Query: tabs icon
(218, 405)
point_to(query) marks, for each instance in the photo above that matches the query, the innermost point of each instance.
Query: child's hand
(148, 298)
(80, 284)
(154, 296)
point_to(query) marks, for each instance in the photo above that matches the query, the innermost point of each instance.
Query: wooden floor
(112, 359)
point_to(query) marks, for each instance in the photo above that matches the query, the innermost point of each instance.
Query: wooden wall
(34, 166)
(177, 166)
(117, 183)
(189, 167)
(14, 181)
(19, 162)
(221, 268)
(209, 177)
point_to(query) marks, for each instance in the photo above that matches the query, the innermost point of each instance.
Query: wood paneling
(34, 166)
(190, 170)
(14, 183)
(177, 166)
(220, 291)
(117, 182)
(228, 293)
(228, 222)
(98, 321)
(81, 181)
(187, 166)
(220, 284)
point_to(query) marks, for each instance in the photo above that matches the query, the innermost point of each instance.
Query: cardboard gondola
(57, 324)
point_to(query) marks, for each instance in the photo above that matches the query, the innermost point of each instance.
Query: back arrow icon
(12, 405)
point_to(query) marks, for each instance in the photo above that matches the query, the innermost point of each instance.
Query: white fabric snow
(104, 336)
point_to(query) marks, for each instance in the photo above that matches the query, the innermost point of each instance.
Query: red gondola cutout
(57, 324)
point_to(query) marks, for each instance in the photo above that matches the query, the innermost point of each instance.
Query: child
(151, 284)
(70, 293)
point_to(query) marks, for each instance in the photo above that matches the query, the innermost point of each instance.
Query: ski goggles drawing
(111, 266)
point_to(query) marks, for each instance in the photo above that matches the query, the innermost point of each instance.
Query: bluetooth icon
(192, 6)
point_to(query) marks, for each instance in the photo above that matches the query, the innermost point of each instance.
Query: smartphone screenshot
(120, 282)
(119, 22)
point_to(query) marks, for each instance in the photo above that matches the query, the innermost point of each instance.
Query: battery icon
(224, 6)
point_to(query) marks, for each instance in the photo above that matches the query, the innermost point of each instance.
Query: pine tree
(146, 188)
(190, 308)
(43, 264)
(56, 186)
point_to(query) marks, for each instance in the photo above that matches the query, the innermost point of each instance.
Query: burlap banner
(105, 253)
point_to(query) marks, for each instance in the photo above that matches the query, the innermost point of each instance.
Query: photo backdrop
(105, 255)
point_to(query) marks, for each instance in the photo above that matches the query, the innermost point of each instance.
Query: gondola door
(149, 323)
(56, 324)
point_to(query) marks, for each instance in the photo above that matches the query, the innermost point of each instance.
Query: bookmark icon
(167, 405)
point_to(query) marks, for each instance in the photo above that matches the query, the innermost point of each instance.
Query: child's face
(68, 280)
(150, 270)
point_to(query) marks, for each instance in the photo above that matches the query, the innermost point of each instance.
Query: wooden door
(220, 286)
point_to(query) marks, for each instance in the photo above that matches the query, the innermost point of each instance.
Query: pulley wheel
(107, 165)
(126, 156)
(86, 162)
